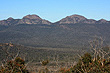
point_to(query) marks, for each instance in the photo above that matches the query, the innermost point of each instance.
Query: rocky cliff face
(29, 19)
(80, 19)
(33, 19)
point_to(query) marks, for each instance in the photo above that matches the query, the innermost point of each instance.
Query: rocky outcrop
(33, 19)
(80, 19)
(9, 21)
(29, 19)
(102, 21)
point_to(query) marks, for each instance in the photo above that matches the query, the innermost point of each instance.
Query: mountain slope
(76, 35)
(73, 19)
(29, 19)
(35, 19)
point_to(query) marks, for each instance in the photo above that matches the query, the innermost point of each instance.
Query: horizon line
(54, 20)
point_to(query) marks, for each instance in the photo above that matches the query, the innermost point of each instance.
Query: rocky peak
(10, 18)
(76, 16)
(28, 19)
(35, 19)
(31, 17)
(103, 20)
(80, 19)
(72, 19)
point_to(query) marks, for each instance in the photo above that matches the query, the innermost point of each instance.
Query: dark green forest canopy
(55, 35)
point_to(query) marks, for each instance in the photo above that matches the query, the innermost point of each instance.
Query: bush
(14, 66)
(87, 65)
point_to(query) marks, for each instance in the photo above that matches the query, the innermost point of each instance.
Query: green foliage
(44, 63)
(86, 59)
(19, 60)
(58, 36)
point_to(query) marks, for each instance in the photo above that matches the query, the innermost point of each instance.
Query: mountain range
(35, 19)
(29, 19)
(73, 19)
(71, 31)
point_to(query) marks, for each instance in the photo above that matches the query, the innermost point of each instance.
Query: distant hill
(72, 31)
(29, 19)
(73, 19)
(35, 19)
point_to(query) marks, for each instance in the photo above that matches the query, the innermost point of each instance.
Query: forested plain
(63, 47)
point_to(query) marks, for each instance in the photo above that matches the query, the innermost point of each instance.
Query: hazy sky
(54, 10)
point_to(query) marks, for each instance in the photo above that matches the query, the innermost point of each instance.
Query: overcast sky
(54, 10)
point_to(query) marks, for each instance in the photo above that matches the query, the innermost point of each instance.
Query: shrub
(14, 66)
(87, 65)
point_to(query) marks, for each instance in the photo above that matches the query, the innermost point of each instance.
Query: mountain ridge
(33, 31)
(35, 19)
(73, 19)
(28, 19)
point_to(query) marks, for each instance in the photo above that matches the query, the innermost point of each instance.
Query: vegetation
(55, 48)
(38, 54)
(87, 65)
(14, 66)
(54, 36)
(96, 61)
(99, 63)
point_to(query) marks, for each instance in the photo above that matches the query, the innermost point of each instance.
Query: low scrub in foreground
(88, 65)
(16, 65)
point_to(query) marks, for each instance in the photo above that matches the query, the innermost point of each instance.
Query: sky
(54, 10)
